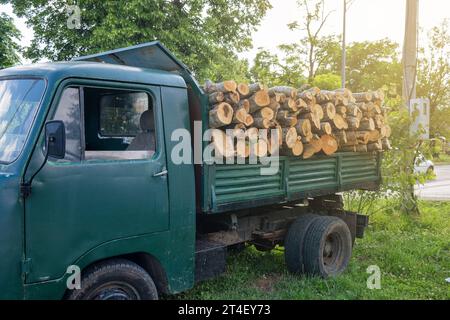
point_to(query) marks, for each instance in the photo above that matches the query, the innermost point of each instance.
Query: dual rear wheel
(318, 246)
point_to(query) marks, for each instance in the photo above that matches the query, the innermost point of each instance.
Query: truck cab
(87, 182)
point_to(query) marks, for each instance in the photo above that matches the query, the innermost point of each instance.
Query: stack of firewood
(305, 123)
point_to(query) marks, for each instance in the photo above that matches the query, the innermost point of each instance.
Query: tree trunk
(259, 100)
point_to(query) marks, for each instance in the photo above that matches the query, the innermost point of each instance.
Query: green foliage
(199, 32)
(327, 81)
(412, 253)
(8, 47)
(434, 78)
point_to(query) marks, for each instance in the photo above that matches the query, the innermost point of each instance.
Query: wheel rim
(332, 252)
(115, 291)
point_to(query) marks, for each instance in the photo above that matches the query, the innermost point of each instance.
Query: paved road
(439, 189)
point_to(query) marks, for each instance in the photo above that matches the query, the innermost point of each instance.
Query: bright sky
(367, 20)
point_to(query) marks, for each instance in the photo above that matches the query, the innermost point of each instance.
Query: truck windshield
(19, 101)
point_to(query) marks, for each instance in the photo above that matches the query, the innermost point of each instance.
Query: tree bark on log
(226, 86)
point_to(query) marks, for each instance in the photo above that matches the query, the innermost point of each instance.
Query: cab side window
(69, 111)
(119, 124)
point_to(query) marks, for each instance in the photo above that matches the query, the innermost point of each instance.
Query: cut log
(261, 123)
(295, 151)
(243, 89)
(259, 100)
(303, 127)
(290, 105)
(287, 91)
(341, 137)
(216, 97)
(306, 96)
(363, 96)
(274, 105)
(289, 136)
(243, 104)
(374, 136)
(232, 98)
(308, 151)
(226, 86)
(285, 119)
(342, 110)
(339, 123)
(313, 118)
(353, 110)
(376, 146)
(363, 137)
(317, 109)
(265, 113)
(301, 104)
(352, 138)
(353, 123)
(379, 121)
(240, 116)
(325, 128)
(253, 88)
(221, 115)
(223, 144)
(329, 144)
(317, 143)
(248, 120)
(329, 111)
(367, 124)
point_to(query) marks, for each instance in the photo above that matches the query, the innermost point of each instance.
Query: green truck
(90, 192)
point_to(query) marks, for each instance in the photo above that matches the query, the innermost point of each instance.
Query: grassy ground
(413, 254)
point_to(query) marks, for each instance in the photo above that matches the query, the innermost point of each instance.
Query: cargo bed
(235, 187)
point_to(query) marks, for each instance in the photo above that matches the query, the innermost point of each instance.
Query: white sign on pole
(419, 109)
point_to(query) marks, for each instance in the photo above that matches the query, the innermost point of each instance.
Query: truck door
(111, 185)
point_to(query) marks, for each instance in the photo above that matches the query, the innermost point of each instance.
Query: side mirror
(55, 139)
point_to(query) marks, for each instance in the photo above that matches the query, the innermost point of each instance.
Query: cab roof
(97, 71)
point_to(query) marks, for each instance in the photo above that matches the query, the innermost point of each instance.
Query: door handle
(161, 174)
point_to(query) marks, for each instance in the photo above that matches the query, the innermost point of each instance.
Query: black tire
(327, 247)
(117, 279)
(293, 243)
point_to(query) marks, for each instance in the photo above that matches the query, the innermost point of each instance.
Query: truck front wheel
(117, 279)
(327, 247)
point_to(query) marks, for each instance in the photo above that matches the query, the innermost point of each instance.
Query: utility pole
(344, 50)
(410, 51)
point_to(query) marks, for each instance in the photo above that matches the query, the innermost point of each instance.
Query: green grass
(413, 254)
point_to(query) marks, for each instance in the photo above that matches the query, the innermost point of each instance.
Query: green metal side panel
(234, 187)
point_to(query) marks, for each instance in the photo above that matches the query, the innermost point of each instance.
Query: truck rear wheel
(293, 243)
(327, 247)
(117, 279)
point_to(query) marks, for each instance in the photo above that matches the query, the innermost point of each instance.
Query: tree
(434, 78)
(197, 31)
(8, 47)
(312, 23)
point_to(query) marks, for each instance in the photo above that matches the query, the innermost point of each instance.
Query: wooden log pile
(303, 123)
